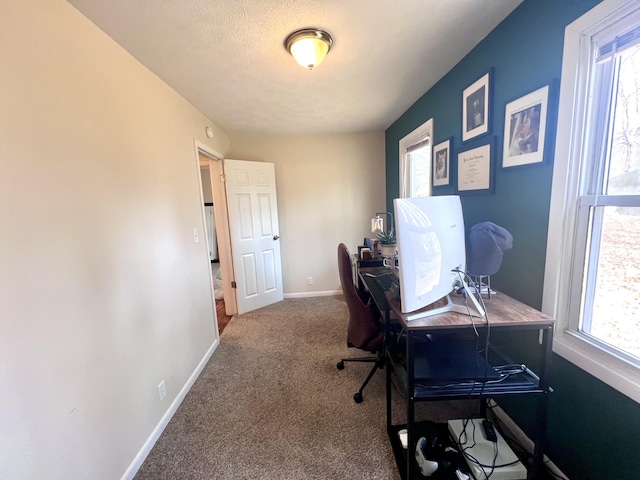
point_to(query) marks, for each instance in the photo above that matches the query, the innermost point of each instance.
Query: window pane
(616, 311)
(421, 171)
(624, 168)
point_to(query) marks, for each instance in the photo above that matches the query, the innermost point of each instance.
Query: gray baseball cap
(486, 245)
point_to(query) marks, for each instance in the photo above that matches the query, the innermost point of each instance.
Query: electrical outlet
(196, 237)
(309, 280)
(162, 390)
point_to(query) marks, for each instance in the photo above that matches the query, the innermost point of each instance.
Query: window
(415, 162)
(609, 204)
(592, 277)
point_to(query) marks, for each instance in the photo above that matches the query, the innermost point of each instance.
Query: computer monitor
(431, 254)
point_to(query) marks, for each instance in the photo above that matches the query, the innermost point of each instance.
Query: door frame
(207, 157)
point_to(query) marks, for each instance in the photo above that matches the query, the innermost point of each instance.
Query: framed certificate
(474, 170)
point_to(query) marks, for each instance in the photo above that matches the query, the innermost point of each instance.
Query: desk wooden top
(502, 311)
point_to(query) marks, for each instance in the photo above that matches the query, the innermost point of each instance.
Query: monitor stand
(471, 307)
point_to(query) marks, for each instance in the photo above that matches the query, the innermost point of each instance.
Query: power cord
(463, 278)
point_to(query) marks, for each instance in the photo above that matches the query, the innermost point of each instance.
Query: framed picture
(475, 108)
(441, 163)
(474, 170)
(525, 122)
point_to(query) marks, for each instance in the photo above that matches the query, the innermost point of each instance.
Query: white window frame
(563, 214)
(420, 134)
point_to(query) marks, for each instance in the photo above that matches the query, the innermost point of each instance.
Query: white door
(255, 244)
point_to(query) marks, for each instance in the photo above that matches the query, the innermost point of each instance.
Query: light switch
(196, 237)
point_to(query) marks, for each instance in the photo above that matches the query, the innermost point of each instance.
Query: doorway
(213, 193)
(212, 243)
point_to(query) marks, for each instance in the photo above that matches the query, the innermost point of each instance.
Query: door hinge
(223, 178)
(234, 285)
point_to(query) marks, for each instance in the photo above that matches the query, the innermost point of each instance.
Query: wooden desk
(503, 312)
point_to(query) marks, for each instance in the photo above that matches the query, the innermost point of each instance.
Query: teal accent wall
(594, 431)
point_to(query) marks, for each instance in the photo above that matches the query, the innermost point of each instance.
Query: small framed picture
(474, 170)
(475, 108)
(525, 122)
(441, 163)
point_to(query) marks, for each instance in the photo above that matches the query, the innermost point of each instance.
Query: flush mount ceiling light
(308, 46)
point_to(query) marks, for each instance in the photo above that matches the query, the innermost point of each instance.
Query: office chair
(364, 330)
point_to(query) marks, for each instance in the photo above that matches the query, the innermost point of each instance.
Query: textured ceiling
(227, 56)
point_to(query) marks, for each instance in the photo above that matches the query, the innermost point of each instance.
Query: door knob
(276, 237)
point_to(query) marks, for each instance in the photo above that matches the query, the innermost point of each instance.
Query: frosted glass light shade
(376, 225)
(309, 46)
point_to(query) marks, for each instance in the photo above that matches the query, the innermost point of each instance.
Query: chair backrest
(364, 330)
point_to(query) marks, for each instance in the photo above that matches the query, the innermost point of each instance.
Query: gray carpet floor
(270, 404)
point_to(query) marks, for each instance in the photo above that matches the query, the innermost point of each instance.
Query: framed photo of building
(525, 122)
(441, 163)
(475, 108)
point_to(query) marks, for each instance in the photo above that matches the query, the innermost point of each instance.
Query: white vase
(388, 250)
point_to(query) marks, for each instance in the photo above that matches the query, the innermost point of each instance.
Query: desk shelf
(427, 429)
(505, 314)
(424, 389)
(419, 388)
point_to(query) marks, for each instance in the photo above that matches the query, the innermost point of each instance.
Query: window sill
(609, 369)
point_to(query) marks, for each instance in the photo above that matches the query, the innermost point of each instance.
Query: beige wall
(103, 292)
(328, 187)
(207, 193)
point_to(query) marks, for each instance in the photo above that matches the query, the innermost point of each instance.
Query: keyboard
(385, 280)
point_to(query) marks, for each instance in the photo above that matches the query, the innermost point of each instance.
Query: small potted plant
(388, 242)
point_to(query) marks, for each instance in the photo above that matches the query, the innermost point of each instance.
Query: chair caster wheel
(340, 366)
(357, 397)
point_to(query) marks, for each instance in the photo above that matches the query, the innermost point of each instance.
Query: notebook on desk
(451, 362)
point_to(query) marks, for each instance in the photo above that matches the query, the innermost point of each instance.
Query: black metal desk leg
(387, 330)
(543, 401)
(411, 436)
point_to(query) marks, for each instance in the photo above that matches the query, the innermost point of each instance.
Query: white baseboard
(522, 438)
(327, 293)
(164, 421)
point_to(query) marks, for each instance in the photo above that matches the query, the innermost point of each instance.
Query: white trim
(523, 440)
(611, 370)
(199, 147)
(422, 132)
(164, 421)
(207, 149)
(326, 293)
(566, 177)
(512, 427)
